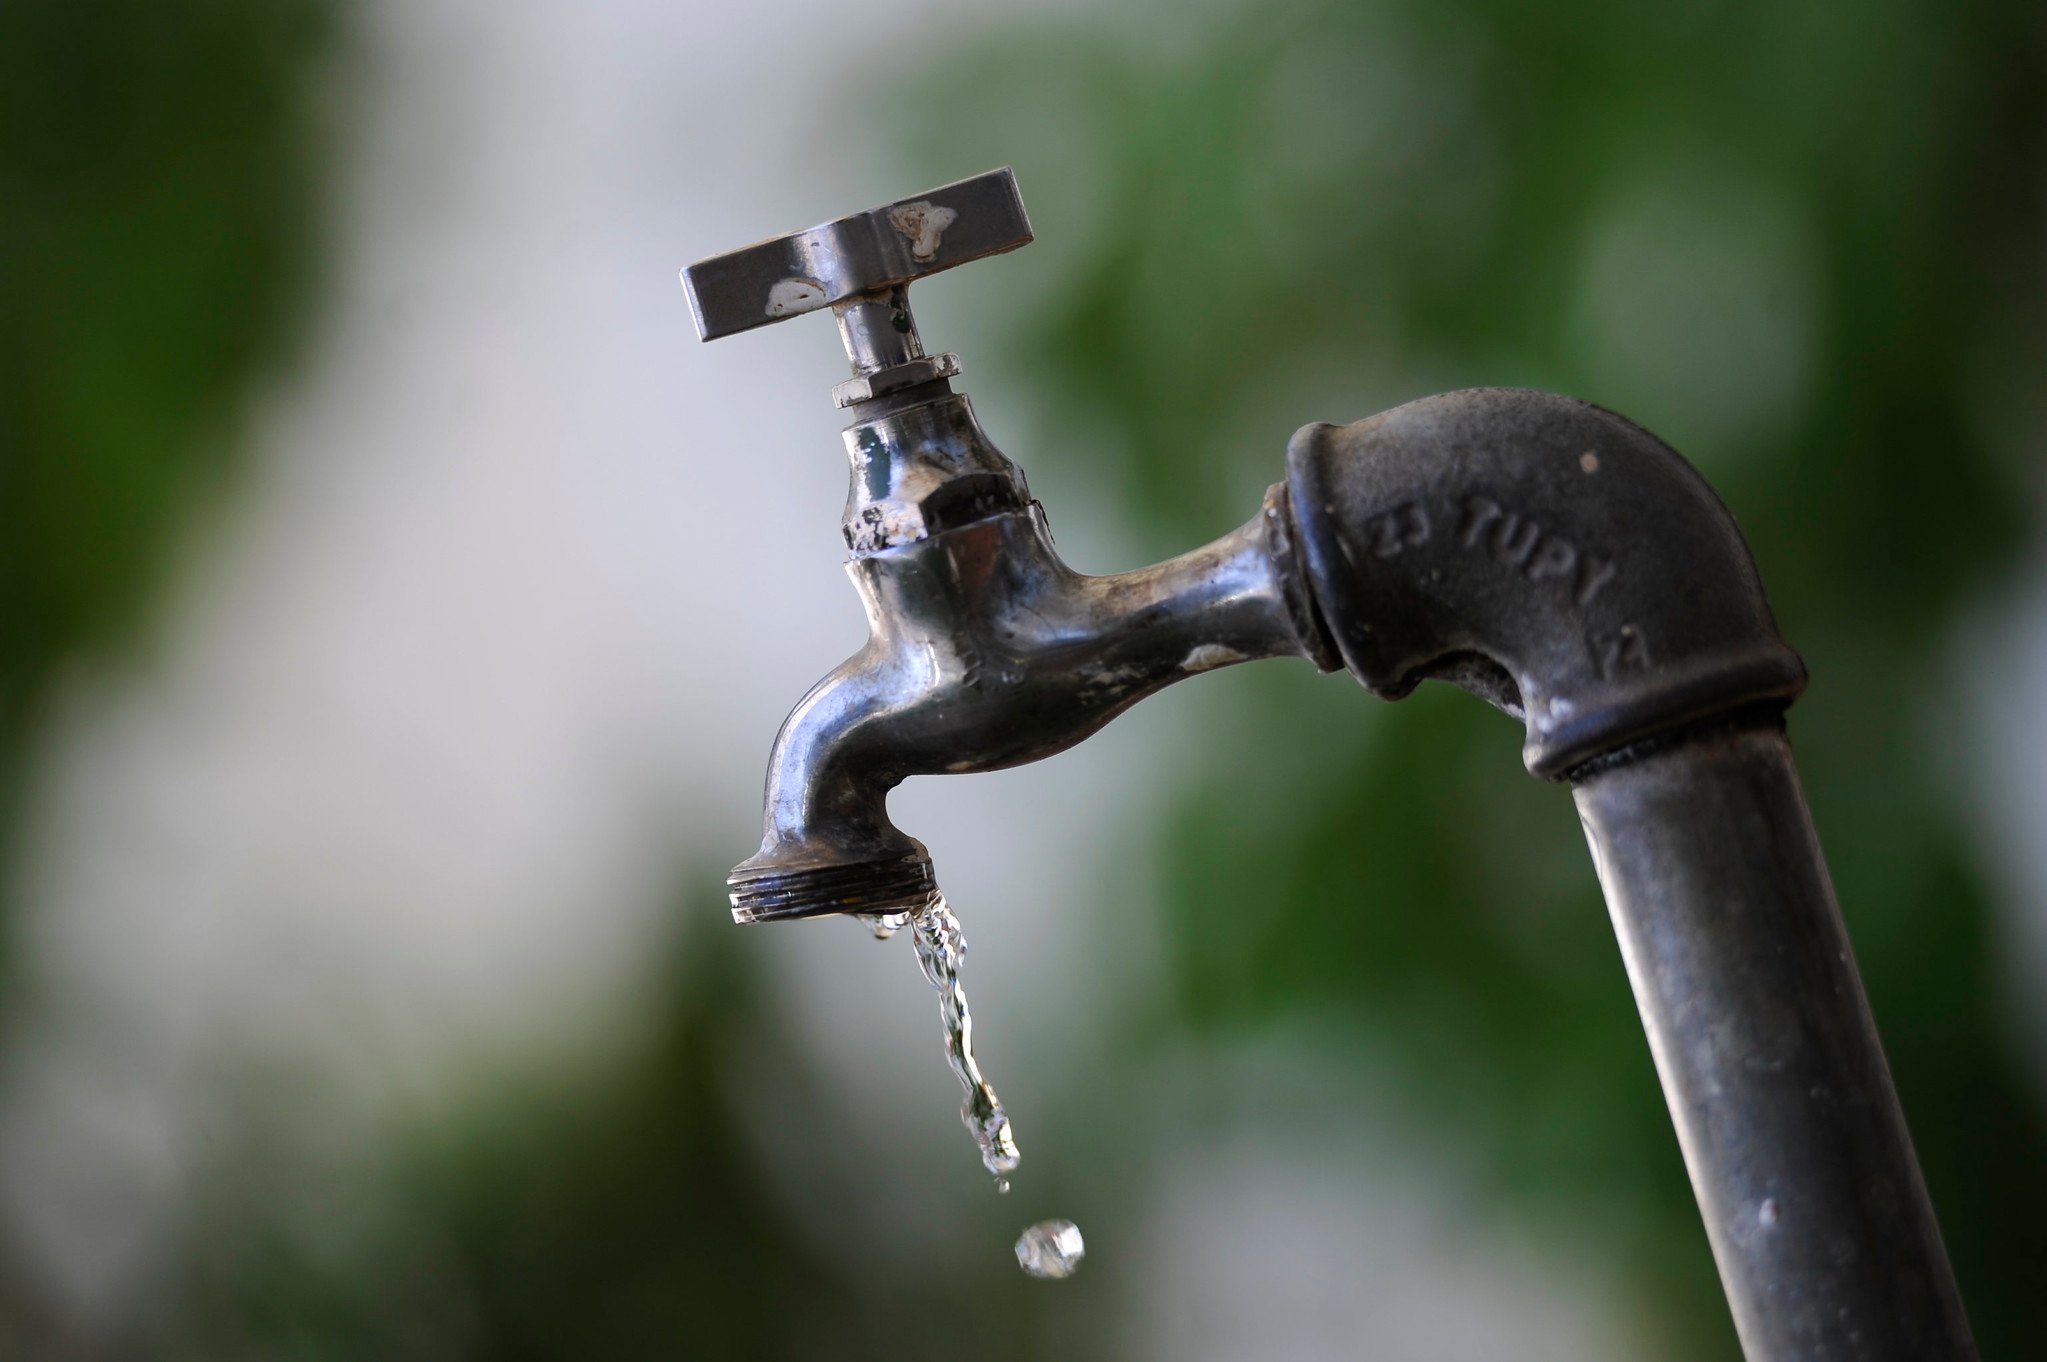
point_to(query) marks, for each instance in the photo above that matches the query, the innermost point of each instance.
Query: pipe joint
(1542, 552)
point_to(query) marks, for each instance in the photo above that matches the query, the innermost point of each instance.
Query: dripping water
(941, 951)
(1050, 1249)
(884, 925)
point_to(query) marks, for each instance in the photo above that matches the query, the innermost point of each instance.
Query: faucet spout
(985, 650)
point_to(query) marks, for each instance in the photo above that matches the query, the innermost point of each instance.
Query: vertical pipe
(1791, 1130)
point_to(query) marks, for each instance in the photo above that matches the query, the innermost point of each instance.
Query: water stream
(1051, 1248)
(941, 951)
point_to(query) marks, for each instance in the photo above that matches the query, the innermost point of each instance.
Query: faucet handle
(861, 267)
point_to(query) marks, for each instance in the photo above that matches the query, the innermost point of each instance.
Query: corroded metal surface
(1767, 1053)
(1545, 553)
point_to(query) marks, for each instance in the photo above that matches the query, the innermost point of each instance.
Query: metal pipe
(1568, 566)
(1768, 1054)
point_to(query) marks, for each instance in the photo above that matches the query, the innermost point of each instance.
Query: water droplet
(1002, 1186)
(884, 925)
(1050, 1250)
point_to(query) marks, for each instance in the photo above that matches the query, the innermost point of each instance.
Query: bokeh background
(396, 605)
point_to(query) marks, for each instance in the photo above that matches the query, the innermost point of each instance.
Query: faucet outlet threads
(765, 889)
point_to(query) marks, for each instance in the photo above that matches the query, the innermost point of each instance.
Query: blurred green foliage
(1805, 250)
(609, 1213)
(158, 167)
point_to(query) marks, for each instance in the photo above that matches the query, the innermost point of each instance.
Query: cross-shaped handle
(861, 267)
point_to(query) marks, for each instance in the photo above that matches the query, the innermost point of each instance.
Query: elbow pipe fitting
(1568, 566)
(1544, 553)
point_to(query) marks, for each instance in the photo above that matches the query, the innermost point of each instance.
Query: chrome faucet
(985, 650)
(1553, 558)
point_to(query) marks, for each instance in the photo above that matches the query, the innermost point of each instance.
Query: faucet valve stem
(861, 267)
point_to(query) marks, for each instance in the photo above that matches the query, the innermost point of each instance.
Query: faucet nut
(922, 369)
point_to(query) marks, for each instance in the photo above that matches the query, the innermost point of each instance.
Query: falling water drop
(884, 925)
(1051, 1249)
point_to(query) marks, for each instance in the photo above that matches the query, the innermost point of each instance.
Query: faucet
(1546, 554)
(985, 650)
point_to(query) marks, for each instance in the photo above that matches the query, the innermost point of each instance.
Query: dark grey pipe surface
(1762, 1036)
(1571, 568)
